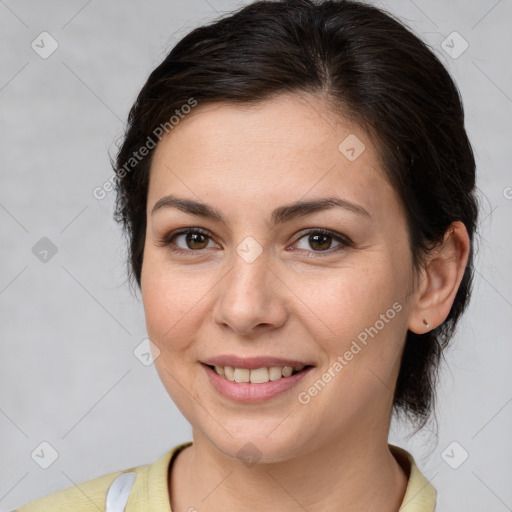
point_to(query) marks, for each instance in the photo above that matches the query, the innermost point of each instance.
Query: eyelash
(166, 241)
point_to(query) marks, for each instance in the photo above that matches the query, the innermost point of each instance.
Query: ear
(440, 279)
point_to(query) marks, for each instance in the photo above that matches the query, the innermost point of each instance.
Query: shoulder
(420, 495)
(90, 496)
(83, 497)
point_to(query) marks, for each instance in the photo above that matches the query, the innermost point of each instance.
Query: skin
(294, 300)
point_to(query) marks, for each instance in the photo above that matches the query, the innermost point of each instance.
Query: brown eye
(195, 240)
(187, 240)
(321, 240)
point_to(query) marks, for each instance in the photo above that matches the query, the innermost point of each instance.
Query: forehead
(288, 146)
(293, 122)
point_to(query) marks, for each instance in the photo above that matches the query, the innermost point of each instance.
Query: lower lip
(248, 392)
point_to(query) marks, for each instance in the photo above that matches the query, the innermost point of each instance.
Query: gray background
(68, 373)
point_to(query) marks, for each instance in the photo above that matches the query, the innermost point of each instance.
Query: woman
(298, 192)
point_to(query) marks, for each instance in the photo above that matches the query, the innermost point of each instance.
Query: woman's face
(261, 287)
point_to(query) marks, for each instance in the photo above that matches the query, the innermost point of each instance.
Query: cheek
(351, 299)
(171, 305)
(360, 323)
(364, 309)
(170, 300)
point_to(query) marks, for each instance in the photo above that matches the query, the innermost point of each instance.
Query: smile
(256, 375)
(252, 385)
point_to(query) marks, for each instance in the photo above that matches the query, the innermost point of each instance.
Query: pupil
(314, 239)
(192, 239)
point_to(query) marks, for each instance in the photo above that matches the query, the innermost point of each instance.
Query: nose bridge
(250, 270)
(249, 278)
(249, 292)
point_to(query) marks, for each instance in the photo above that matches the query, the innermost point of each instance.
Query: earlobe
(440, 280)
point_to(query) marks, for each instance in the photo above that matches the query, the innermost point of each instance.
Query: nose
(251, 297)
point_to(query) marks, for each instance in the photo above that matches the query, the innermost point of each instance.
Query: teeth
(229, 373)
(258, 375)
(242, 374)
(287, 371)
(275, 373)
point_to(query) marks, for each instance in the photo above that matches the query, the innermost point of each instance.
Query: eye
(191, 240)
(321, 241)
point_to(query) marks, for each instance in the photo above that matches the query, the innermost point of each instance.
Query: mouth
(260, 375)
(259, 382)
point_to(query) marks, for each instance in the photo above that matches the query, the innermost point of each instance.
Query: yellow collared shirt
(150, 490)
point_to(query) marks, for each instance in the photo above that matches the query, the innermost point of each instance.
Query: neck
(349, 474)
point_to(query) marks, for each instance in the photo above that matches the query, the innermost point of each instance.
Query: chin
(257, 449)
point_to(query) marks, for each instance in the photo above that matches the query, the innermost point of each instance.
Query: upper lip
(253, 362)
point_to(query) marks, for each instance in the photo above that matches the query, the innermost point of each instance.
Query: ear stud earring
(427, 325)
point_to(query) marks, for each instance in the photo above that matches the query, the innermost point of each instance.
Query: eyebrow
(280, 215)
